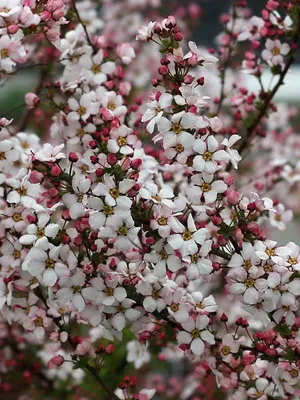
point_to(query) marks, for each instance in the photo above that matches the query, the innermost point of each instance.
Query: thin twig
(83, 25)
(250, 133)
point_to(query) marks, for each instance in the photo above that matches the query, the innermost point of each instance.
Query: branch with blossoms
(128, 232)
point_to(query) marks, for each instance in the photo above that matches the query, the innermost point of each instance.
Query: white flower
(5, 293)
(24, 192)
(49, 153)
(206, 187)
(94, 70)
(202, 305)
(172, 131)
(137, 353)
(7, 154)
(197, 263)
(252, 30)
(195, 334)
(163, 196)
(247, 259)
(108, 293)
(124, 231)
(84, 108)
(229, 345)
(153, 296)
(114, 195)
(36, 232)
(280, 216)
(202, 56)
(235, 158)
(76, 202)
(46, 263)
(274, 52)
(155, 111)
(145, 32)
(261, 390)
(72, 289)
(121, 140)
(124, 311)
(247, 283)
(187, 240)
(208, 155)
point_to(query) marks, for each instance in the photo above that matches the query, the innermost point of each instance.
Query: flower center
(81, 111)
(294, 373)
(16, 254)
(177, 128)
(270, 252)
(109, 292)
(195, 258)
(121, 308)
(195, 333)
(249, 282)
(114, 193)
(174, 307)
(111, 106)
(207, 156)
(162, 221)
(22, 191)
(205, 187)
(164, 255)
(225, 350)
(95, 69)
(49, 263)
(108, 210)
(156, 198)
(179, 148)
(4, 53)
(38, 321)
(187, 235)
(123, 231)
(121, 141)
(268, 268)
(76, 289)
(155, 294)
(275, 51)
(247, 264)
(2, 156)
(17, 217)
(292, 260)
(80, 132)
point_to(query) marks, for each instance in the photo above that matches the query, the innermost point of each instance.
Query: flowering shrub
(135, 229)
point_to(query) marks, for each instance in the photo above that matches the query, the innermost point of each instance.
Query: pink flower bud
(55, 170)
(58, 14)
(73, 157)
(233, 197)
(111, 159)
(55, 362)
(272, 5)
(229, 180)
(110, 348)
(136, 163)
(45, 16)
(12, 29)
(193, 60)
(31, 100)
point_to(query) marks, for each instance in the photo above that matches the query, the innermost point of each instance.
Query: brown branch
(83, 25)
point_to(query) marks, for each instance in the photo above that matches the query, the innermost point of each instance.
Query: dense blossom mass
(134, 225)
